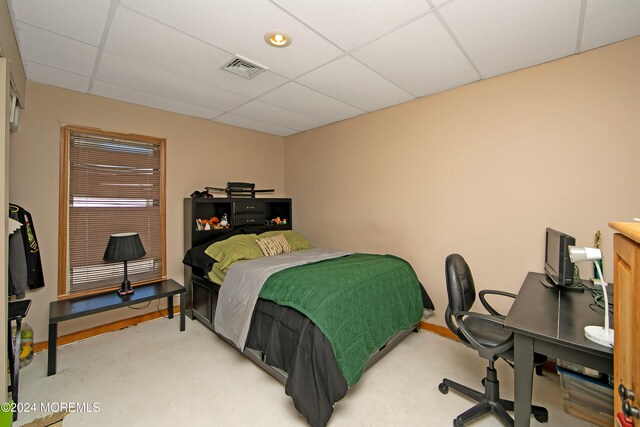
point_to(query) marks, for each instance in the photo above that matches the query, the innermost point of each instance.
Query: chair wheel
(457, 423)
(444, 389)
(541, 418)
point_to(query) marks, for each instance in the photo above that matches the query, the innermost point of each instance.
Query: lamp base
(123, 293)
(599, 335)
(126, 288)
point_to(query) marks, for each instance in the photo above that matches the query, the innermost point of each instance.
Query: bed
(317, 360)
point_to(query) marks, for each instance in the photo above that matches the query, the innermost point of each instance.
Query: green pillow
(217, 275)
(235, 248)
(296, 240)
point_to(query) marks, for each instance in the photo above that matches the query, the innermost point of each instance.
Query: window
(110, 183)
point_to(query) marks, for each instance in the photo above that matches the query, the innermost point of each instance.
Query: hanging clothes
(25, 265)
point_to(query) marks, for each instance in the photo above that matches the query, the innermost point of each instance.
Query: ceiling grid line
(583, 11)
(154, 94)
(358, 47)
(40, 27)
(103, 41)
(412, 95)
(306, 25)
(448, 29)
(56, 68)
(260, 121)
(329, 96)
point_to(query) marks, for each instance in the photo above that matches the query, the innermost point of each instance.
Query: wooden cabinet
(240, 212)
(626, 244)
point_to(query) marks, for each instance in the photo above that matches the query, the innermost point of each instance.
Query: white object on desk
(602, 335)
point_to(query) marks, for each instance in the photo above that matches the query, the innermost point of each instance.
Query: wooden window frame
(63, 219)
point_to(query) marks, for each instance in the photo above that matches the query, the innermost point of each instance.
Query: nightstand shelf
(72, 308)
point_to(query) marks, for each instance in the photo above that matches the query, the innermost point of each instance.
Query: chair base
(488, 402)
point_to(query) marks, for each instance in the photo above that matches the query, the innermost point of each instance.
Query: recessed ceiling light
(277, 38)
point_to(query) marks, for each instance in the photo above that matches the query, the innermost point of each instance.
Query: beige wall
(199, 153)
(480, 170)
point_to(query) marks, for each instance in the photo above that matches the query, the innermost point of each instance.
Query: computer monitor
(557, 263)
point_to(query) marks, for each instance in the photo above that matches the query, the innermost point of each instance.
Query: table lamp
(597, 334)
(124, 247)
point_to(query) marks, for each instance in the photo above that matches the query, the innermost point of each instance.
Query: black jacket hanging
(24, 255)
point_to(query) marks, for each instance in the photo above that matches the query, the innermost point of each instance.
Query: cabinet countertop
(629, 229)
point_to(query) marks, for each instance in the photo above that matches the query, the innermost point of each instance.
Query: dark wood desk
(84, 306)
(551, 322)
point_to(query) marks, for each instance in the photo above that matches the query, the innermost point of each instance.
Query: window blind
(114, 187)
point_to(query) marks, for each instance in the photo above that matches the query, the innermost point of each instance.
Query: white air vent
(244, 67)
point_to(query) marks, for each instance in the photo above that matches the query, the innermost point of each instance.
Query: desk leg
(170, 306)
(182, 311)
(15, 386)
(53, 348)
(523, 362)
(10, 354)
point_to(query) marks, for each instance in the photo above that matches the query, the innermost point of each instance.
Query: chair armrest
(487, 306)
(485, 351)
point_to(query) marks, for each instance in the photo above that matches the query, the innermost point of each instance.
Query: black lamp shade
(124, 247)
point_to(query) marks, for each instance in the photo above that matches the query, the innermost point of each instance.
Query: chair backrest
(460, 289)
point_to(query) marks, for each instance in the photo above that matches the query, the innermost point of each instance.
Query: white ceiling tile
(136, 75)
(121, 93)
(349, 81)
(610, 21)
(56, 51)
(347, 57)
(79, 19)
(188, 56)
(277, 116)
(54, 77)
(421, 57)
(244, 122)
(308, 102)
(502, 36)
(335, 18)
(240, 26)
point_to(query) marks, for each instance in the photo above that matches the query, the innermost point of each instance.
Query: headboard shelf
(240, 212)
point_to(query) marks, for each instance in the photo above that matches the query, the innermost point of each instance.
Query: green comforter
(358, 302)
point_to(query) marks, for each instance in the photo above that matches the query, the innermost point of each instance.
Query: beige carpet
(153, 375)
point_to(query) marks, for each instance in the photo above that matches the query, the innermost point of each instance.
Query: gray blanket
(243, 282)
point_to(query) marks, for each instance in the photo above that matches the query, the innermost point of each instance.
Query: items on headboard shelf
(213, 223)
(201, 194)
(255, 214)
(210, 217)
(240, 189)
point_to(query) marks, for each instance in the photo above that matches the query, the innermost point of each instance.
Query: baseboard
(440, 330)
(103, 329)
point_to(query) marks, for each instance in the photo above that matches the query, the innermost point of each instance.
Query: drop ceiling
(348, 57)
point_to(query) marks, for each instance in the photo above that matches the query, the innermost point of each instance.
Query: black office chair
(486, 334)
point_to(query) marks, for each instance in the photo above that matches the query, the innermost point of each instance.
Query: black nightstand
(62, 310)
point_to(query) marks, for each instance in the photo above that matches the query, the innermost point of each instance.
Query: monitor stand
(547, 282)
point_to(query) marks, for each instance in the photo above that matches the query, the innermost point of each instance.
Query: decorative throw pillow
(296, 240)
(274, 245)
